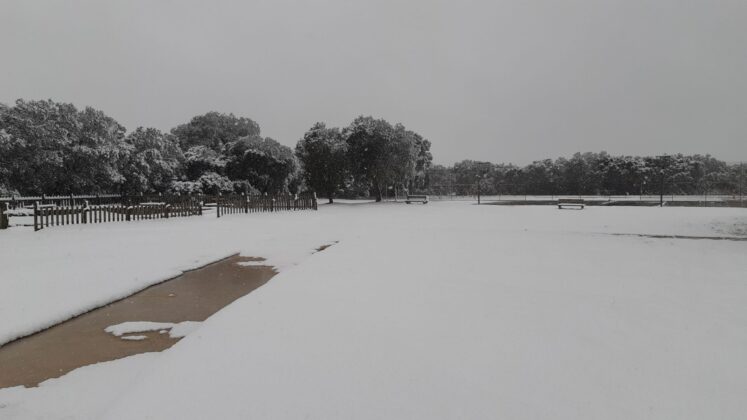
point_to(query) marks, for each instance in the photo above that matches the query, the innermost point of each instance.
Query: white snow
(57, 273)
(251, 263)
(183, 328)
(137, 327)
(83, 394)
(176, 330)
(135, 337)
(445, 310)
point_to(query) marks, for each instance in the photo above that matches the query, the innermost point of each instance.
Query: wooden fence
(53, 215)
(19, 202)
(263, 203)
(78, 209)
(27, 202)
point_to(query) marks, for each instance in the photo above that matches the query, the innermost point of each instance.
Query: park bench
(571, 202)
(417, 199)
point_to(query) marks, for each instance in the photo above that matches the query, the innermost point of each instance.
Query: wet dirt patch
(323, 247)
(193, 296)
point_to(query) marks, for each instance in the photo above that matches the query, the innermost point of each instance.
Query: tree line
(592, 174)
(48, 147)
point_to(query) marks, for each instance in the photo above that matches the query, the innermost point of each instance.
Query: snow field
(444, 311)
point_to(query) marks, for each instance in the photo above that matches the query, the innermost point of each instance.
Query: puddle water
(193, 296)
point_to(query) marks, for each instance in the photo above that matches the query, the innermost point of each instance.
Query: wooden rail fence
(53, 215)
(61, 210)
(264, 203)
(27, 202)
(18, 202)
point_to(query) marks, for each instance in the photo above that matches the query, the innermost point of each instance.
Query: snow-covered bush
(240, 187)
(185, 187)
(6, 191)
(213, 183)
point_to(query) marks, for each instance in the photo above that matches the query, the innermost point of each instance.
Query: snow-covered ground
(447, 310)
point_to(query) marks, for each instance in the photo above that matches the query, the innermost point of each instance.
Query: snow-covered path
(441, 311)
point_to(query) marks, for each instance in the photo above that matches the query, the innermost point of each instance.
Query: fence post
(217, 207)
(661, 191)
(84, 212)
(36, 216)
(272, 205)
(128, 213)
(314, 201)
(4, 222)
(166, 211)
(246, 204)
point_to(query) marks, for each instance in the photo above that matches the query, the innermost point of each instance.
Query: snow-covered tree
(322, 153)
(264, 163)
(154, 161)
(50, 147)
(380, 154)
(214, 130)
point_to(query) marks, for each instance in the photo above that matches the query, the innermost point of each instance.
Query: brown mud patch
(323, 247)
(81, 341)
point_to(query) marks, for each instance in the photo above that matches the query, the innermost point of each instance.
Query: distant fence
(518, 194)
(262, 203)
(53, 215)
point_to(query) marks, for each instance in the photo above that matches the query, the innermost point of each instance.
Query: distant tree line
(48, 147)
(593, 174)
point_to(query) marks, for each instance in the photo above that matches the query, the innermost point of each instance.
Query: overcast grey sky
(513, 80)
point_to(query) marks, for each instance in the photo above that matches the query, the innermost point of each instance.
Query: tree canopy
(54, 148)
(214, 130)
(322, 153)
(47, 146)
(370, 153)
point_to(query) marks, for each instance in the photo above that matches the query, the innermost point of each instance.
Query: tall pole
(741, 180)
(661, 190)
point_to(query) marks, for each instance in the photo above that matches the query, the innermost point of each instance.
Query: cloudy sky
(511, 80)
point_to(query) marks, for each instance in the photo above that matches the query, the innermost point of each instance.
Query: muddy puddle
(193, 296)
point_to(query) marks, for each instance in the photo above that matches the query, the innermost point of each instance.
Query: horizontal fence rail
(21, 202)
(27, 202)
(264, 203)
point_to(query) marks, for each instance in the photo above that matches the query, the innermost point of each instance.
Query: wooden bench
(417, 199)
(576, 203)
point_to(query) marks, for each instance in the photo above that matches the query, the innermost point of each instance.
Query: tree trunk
(377, 191)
